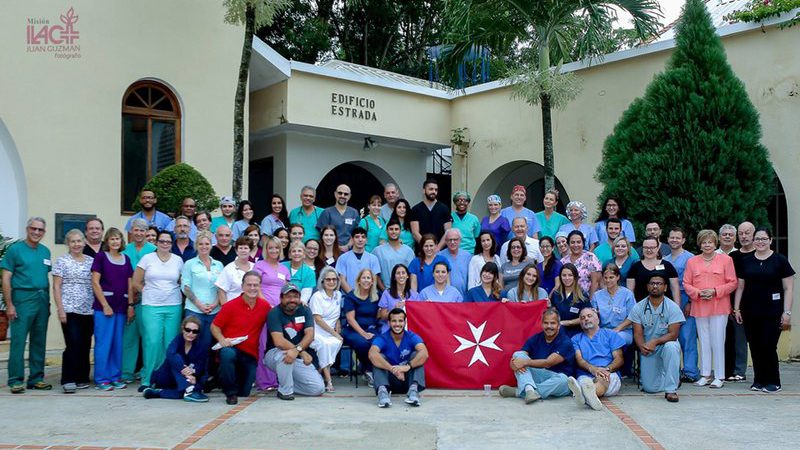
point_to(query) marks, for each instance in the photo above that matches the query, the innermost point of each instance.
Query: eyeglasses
(332, 279)
(656, 283)
(164, 241)
(650, 248)
(41, 230)
(191, 330)
(761, 239)
(344, 194)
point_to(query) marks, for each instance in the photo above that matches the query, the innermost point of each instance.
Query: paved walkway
(732, 417)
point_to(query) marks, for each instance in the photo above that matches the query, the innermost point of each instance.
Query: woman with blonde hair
(273, 274)
(326, 306)
(361, 312)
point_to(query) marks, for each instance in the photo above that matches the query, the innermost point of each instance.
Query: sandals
(329, 386)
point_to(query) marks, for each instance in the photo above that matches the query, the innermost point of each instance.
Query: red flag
(470, 344)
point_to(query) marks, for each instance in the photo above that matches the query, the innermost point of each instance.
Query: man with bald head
(391, 193)
(519, 228)
(342, 217)
(735, 340)
(598, 356)
(458, 259)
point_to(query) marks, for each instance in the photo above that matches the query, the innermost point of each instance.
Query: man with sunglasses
(26, 289)
(656, 324)
(342, 217)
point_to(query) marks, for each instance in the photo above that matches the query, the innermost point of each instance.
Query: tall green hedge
(176, 182)
(688, 152)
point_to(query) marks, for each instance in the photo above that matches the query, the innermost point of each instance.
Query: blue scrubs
(627, 230)
(424, 272)
(350, 264)
(477, 294)
(530, 217)
(459, 268)
(614, 310)
(688, 335)
(569, 311)
(660, 371)
(449, 295)
(589, 236)
(388, 257)
(598, 350)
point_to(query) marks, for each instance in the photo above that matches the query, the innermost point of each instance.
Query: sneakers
(149, 393)
(142, 388)
(771, 389)
(687, 379)
(755, 387)
(531, 396)
(82, 385)
(232, 400)
(69, 388)
(716, 384)
(40, 386)
(370, 379)
(285, 396)
(197, 397)
(577, 393)
(384, 401)
(589, 393)
(507, 391)
(17, 389)
(412, 398)
(119, 384)
(104, 387)
(703, 381)
(736, 378)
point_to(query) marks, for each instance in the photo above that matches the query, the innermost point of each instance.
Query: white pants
(614, 383)
(711, 331)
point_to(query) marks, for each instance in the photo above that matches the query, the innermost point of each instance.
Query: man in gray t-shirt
(342, 217)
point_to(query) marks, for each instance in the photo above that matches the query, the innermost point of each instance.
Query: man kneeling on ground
(598, 355)
(398, 356)
(543, 364)
(291, 332)
(656, 324)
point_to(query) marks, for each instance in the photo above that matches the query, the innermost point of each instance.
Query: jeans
(78, 332)
(688, 340)
(397, 386)
(295, 378)
(546, 382)
(237, 370)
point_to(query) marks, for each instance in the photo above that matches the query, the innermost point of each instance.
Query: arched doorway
(13, 192)
(502, 180)
(778, 214)
(364, 179)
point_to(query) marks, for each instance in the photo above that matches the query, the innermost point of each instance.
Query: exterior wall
(401, 115)
(65, 115)
(505, 130)
(13, 195)
(268, 107)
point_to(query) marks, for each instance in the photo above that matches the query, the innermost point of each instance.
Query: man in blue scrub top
(351, 263)
(598, 356)
(458, 259)
(688, 335)
(392, 253)
(397, 358)
(517, 209)
(656, 324)
(544, 363)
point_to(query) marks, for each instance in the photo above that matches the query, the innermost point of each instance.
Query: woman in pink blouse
(709, 279)
(273, 274)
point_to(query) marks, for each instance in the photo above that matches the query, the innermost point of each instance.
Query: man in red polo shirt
(243, 316)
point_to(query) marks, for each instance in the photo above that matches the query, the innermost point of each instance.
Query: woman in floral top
(72, 289)
(586, 262)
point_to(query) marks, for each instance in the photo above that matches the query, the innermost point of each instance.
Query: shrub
(177, 182)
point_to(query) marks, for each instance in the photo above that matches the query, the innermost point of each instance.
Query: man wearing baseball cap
(228, 208)
(291, 332)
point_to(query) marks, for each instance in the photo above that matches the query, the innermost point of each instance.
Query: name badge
(573, 310)
(330, 260)
(616, 310)
(776, 296)
(301, 319)
(282, 276)
(348, 221)
(660, 267)
(46, 262)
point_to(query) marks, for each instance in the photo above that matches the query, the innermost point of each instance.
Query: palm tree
(253, 14)
(542, 34)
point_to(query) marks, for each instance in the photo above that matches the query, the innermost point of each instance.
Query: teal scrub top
(29, 266)
(374, 231)
(308, 221)
(470, 227)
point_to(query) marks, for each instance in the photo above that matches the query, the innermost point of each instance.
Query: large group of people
(230, 302)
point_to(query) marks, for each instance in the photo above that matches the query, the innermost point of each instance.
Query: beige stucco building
(65, 111)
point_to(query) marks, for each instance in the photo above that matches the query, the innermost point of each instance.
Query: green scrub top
(29, 266)
(550, 227)
(470, 227)
(309, 222)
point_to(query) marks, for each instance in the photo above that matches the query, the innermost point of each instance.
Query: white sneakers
(584, 393)
(706, 381)
(577, 394)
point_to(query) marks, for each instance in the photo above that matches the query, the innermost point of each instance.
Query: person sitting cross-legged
(291, 332)
(183, 372)
(598, 355)
(398, 356)
(544, 363)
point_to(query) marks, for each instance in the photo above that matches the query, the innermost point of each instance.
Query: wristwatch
(299, 349)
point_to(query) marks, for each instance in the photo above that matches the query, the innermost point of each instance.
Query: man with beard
(183, 246)
(291, 332)
(430, 215)
(397, 357)
(244, 316)
(148, 200)
(656, 325)
(188, 210)
(342, 217)
(94, 237)
(598, 355)
(544, 363)
(228, 208)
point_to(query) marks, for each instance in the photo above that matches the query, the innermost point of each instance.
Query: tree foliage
(688, 152)
(177, 182)
(761, 10)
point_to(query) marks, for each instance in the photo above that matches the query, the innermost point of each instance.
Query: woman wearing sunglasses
(184, 369)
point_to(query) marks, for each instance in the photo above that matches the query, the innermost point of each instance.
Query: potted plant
(5, 243)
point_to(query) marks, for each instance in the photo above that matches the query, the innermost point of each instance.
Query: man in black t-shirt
(291, 332)
(429, 215)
